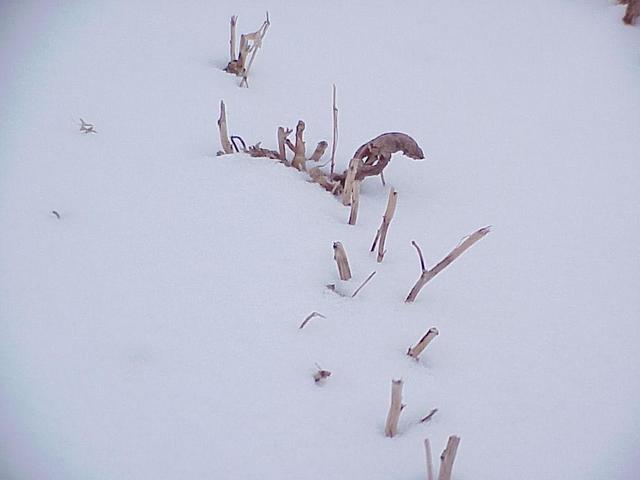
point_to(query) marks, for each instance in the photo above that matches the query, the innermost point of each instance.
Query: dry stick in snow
(427, 448)
(632, 12)
(349, 181)
(429, 416)
(256, 37)
(391, 426)
(381, 235)
(309, 317)
(318, 152)
(422, 344)
(445, 262)
(340, 256)
(232, 41)
(299, 160)
(282, 137)
(448, 457)
(334, 140)
(222, 127)
(363, 284)
(355, 202)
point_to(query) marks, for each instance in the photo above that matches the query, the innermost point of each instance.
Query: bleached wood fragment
(355, 202)
(340, 256)
(427, 275)
(423, 343)
(282, 137)
(448, 457)
(381, 234)
(232, 41)
(427, 448)
(391, 425)
(299, 159)
(222, 127)
(318, 152)
(350, 178)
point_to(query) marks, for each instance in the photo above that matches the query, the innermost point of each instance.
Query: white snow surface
(152, 331)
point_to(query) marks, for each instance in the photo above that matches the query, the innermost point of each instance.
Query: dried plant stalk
(632, 12)
(381, 234)
(232, 41)
(222, 127)
(282, 137)
(309, 317)
(318, 152)
(427, 449)
(363, 284)
(256, 37)
(355, 202)
(429, 416)
(423, 343)
(391, 426)
(334, 140)
(318, 176)
(299, 159)
(427, 275)
(448, 457)
(349, 180)
(257, 151)
(340, 256)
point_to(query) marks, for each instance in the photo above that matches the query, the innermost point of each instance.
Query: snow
(152, 331)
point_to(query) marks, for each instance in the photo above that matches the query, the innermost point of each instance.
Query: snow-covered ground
(152, 331)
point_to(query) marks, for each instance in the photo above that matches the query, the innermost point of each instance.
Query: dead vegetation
(250, 43)
(632, 12)
(427, 275)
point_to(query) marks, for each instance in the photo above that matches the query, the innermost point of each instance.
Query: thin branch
(363, 284)
(429, 416)
(334, 141)
(422, 267)
(427, 275)
(309, 317)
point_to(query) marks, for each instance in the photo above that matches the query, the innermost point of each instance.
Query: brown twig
(363, 284)
(427, 275)
(334, 140)
(381, 234)
(309, 317)
(429, 416)
(426, 339)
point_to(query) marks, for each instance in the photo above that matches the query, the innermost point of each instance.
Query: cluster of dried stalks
(370, 159)
(250, 43)
(633, 11)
